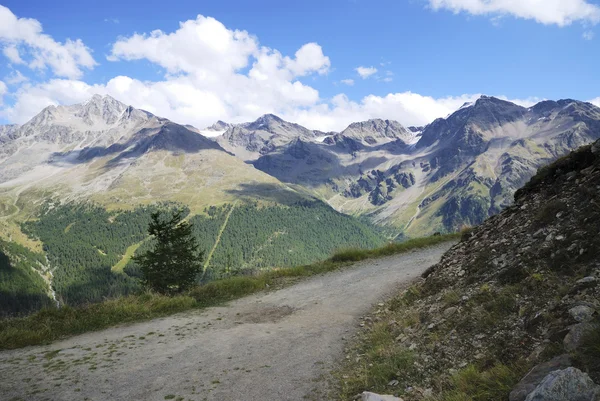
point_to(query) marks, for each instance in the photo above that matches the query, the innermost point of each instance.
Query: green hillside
(22, 289)
(90, 247)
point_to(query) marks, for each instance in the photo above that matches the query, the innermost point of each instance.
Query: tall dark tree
(175, 262)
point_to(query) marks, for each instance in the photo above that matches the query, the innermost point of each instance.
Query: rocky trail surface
(278, 345)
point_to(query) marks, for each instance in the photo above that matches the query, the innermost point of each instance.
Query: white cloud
(595, 101)
(365, 72)
(309, 59)
(547, 12)
(348, 82)
(387, 77)
(15, 78)
(3, 91)
(12, 53)
(39, 50)
(588, 35)
(182, 101)
(203, 46)
(229, 76)
(112, 20)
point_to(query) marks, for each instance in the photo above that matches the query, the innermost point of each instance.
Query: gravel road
(277, 345)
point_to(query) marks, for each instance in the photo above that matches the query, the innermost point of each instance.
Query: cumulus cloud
(365, 72)
(596, 101)
(348, 82)
(182, 101)
(23, 42)
(228, 76)
(547, 12)
(12, 53)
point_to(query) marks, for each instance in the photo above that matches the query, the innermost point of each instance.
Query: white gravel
(278, 345)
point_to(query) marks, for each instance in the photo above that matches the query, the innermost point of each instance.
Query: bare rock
(570, 384)
(368, 396)
(581, 313)
(536, 375)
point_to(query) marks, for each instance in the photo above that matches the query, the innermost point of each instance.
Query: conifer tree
(174, 263)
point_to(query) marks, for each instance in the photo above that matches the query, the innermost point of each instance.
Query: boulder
(570, 384)
(581, 313)
(367, 396)
(536, 375)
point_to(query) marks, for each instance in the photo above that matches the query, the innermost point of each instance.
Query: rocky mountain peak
(219, 126)
(103, 108)
(265, 122)
(374, 131)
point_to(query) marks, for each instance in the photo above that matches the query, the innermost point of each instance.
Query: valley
(263, 194)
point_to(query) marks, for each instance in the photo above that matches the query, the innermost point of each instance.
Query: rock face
(533, 379)
(377, 131)
(569, 384)
(251, 140)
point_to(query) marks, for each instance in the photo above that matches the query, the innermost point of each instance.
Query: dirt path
(271, 346)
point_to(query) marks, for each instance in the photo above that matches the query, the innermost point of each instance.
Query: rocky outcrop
(380, 185)
(377, 131)
(569, 384)
(518, 294)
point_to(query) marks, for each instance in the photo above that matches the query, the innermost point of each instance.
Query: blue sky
(430, 56)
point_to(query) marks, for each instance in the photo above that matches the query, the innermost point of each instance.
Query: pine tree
(174, 263)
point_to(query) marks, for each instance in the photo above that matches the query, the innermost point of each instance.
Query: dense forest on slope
(259, 237)
(22, 289)
(279, 236)
(84, 242)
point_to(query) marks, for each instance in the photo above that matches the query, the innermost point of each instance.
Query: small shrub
(466, 232)
(451, 298)
(350, 255)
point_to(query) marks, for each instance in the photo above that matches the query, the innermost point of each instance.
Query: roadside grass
(474, 384)
(51, 324)
(355, 255)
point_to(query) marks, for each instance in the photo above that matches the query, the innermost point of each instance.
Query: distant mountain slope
(23, 280)
(80, 181)
(251, 140)
(119, 156)
(455, 171)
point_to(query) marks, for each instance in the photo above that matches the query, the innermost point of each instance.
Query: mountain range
(454, 172)
(78, 184)
(414, 181)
